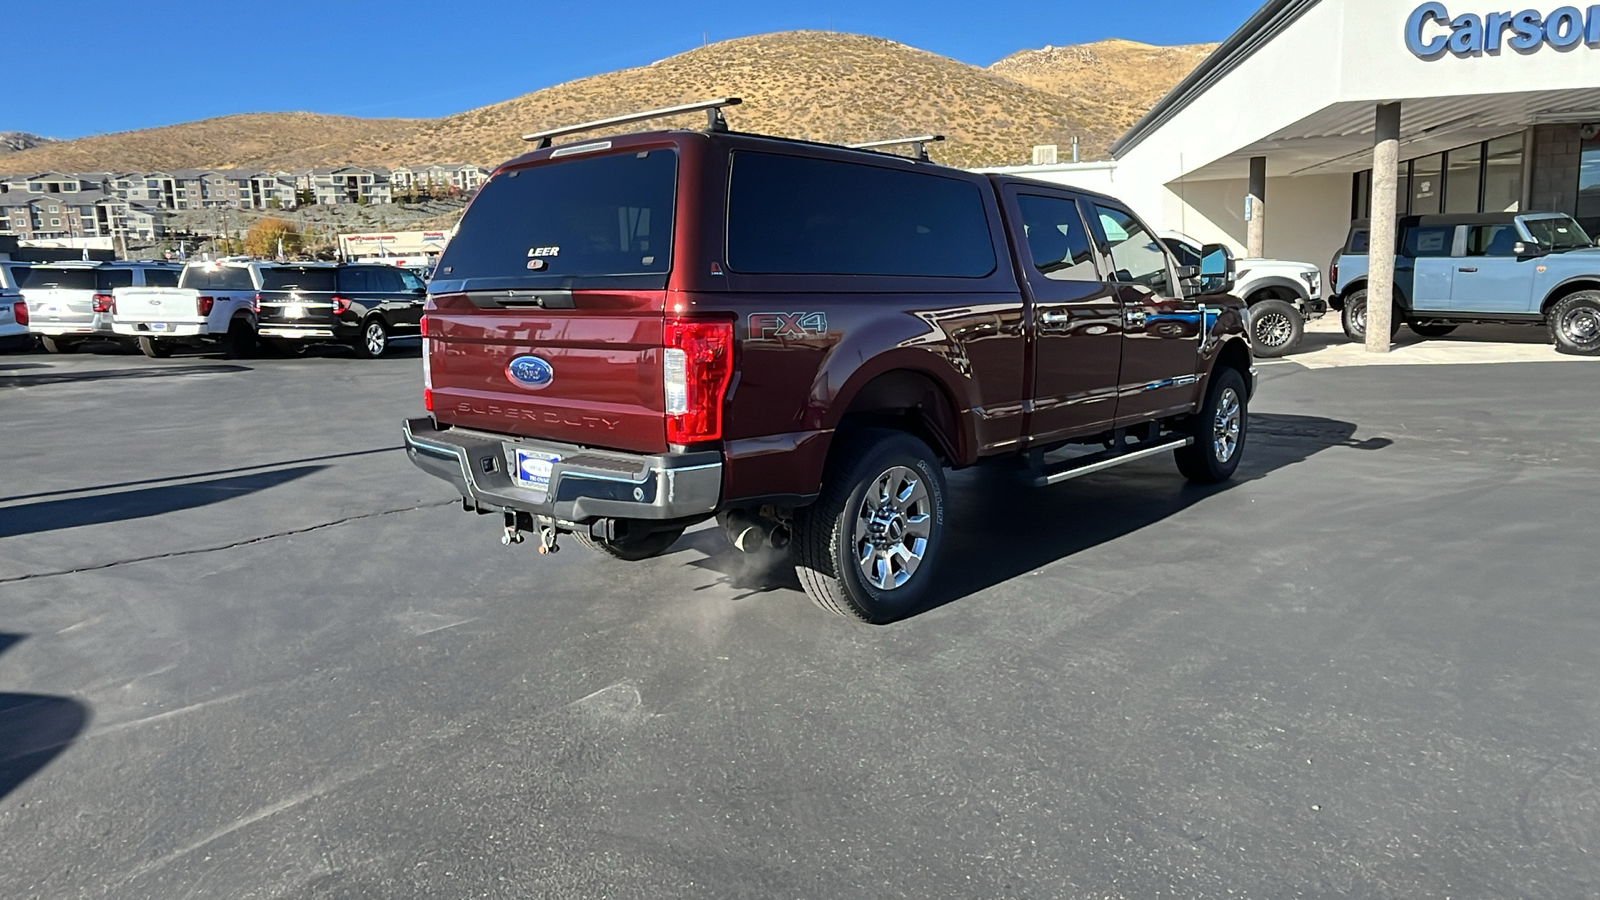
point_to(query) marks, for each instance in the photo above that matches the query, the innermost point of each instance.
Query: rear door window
(161, 277)
(1360, 242)
(294, 278)
(1422, 241)
(1058, 240)
(596, 221)
(792, 215)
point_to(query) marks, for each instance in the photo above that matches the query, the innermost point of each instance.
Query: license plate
(294, 312)
(158, 326)
(533, 470)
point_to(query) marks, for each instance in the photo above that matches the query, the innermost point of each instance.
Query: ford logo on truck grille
(530, 372)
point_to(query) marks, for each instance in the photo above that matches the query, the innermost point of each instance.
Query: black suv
(356, 304)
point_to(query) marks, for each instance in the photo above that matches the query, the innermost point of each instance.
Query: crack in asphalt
(228, 546)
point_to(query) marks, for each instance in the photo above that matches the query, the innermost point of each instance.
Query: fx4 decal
(786, 326)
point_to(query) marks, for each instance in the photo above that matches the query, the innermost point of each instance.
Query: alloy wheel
(1273, 330)
(892, 527)
(375, 338)
(1225, 429)
(1581, 325)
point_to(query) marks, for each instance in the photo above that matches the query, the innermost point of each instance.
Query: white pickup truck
(214, 302)
(1282, 295)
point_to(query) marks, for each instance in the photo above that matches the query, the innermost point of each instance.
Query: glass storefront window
(1463, 169)
(1589, 181)
(1502, 179)
(1427, 188)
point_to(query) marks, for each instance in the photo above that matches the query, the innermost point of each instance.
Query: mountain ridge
(824, 86)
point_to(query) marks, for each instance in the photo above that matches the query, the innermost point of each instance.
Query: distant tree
(265, 235)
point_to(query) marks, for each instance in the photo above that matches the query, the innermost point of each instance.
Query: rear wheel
(632, 549)
(868, 547)
(1575, 323)
(240, 341)
(1219, 431)
(59, 344)
(154, 349)
(1275, 328)
(374, 339)
(1354, 318)
(1430, 329)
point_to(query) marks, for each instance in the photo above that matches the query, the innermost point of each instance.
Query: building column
(1256, 228)
(1380, 255)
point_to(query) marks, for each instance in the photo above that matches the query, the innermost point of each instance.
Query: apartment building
(76, 213)
(346, 184)
(464, 177)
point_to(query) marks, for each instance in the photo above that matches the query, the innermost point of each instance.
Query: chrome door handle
(1055, 318)
(1134, 318)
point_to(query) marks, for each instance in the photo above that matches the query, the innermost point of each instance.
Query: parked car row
(1491, 268)
(241, 305)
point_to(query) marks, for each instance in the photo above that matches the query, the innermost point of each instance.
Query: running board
(1099, 462)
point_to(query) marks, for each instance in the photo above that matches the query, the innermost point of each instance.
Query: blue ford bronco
(1503, 268)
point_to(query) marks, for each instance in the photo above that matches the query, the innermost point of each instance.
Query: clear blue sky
(103, 66)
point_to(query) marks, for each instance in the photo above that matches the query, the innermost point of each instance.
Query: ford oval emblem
(530, 372)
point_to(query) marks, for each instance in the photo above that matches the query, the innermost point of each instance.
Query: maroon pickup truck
(632, 334)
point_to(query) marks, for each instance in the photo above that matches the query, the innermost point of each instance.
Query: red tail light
(697, 365)
(255, 304)
(427, 399)
(1333, 275)
(105, 303)
(19, 311)
(424, 326)
(341, 305)
(204, 304)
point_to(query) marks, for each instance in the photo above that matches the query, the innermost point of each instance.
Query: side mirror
(1216, 269)
(1525, 250)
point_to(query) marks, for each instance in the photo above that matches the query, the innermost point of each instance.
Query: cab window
(1492, 240)
(1058, 241)
(1136, 256)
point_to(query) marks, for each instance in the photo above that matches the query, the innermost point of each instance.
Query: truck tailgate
(591, 375)
(157, 304)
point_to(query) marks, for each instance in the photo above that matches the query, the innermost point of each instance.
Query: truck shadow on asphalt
(1000, 528)
(35, 379)
(98, 509)
(34, 729)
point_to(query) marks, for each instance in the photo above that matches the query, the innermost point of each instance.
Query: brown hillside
(814, 85)
(1116, 81)
(256, 140)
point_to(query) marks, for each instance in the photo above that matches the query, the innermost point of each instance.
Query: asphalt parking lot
(246, 650)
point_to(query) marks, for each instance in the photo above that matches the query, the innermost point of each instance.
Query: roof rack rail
(919, 144)
(715, 121)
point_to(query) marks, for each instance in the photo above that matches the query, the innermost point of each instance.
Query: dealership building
(1269, 144)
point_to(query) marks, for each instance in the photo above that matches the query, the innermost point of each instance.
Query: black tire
(1219, 431)
(1354, 318)
(1575, 323)
(1275, 328)
(58, 344)
(827, 532)
(374, 338)
(1430, 329)
(240, 341)
(154, 349)
(632, 549)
